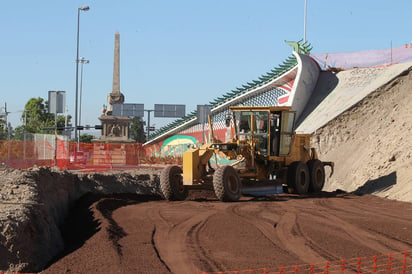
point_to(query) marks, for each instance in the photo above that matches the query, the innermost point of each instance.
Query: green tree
(18, 133)
(3, 129)
(137, 130)
(86, 138)
(36, 117)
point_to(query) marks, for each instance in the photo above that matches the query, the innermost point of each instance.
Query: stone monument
(111, 147)
(114, 128)
(116, 97)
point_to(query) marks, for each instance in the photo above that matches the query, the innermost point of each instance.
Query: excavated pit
(36, 203)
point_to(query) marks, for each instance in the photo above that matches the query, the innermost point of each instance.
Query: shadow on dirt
(108, 204)
(80, 224)
(381, 184)
(209, 196)
(286, 197)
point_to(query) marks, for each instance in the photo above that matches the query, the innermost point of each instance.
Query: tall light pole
(82, 8)
(82, 61)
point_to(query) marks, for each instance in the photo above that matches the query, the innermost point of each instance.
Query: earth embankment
(371, 143)
(34, 205)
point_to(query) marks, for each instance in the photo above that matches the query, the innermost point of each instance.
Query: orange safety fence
(25, 154)
(392, 263)
(396, 263)
(88, 157)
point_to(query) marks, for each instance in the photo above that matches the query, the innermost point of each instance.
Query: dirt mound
(35, 203)
(371, 143)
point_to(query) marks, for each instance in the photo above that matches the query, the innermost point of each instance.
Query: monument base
(115, 129)
(115, 154)
(111, 147)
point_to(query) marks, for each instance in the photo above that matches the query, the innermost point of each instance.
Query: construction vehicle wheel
(317, 176)
(226, 183)
(298, 178)
(171, 184)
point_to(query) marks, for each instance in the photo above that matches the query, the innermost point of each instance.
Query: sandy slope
(371, 143)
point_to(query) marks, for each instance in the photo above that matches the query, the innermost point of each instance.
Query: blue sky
(174, 52)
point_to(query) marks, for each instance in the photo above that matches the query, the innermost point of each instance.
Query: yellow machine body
(264, 150)
(195, 161)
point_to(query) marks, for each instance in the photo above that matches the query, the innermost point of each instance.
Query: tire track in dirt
(157, 251)
(280, 233)
(370, 206)
(171, 240)
(284, 230)
(375, 208)
(207, 264)
(293, 238)
(371, 238)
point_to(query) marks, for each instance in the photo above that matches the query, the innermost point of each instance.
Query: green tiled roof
(286, 65)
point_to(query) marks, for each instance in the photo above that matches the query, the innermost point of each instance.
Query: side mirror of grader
(273, 121)
(227, 122)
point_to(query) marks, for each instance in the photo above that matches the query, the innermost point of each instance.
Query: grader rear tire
(298, 178)
(226, 183)
(317, 176)
(171, 184)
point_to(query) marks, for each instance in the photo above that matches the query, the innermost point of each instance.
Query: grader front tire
(171, 184)
(226, 183)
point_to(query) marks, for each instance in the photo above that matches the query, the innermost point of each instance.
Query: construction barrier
(392, 263)
(25, 154)
(88, 157)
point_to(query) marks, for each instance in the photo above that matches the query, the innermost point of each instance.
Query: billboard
(169, 111)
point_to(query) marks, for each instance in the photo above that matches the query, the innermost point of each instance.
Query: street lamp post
(82, 61)
(83, 8)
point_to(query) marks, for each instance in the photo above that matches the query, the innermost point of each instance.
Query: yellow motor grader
(264, 150)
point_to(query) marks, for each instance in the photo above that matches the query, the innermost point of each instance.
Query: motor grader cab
(264, 149)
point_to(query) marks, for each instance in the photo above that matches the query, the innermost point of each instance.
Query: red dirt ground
(142, 234)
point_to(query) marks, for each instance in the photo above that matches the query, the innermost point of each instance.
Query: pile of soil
(371, 143)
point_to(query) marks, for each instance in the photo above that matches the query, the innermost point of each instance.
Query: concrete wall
(305, 82)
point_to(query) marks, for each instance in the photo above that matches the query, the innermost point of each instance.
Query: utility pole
(148, 121)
